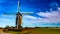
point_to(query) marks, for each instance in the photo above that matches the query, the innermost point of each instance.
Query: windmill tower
(18, 17)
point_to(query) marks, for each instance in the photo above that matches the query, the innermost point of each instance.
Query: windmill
(19, 16)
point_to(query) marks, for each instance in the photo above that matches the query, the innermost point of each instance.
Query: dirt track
(1, 32)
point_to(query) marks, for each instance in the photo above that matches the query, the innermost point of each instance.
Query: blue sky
(45, 13)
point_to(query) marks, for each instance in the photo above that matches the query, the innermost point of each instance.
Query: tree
(7, 27)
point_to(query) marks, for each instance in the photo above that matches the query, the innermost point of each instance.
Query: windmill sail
(14, 13)
(18, 6)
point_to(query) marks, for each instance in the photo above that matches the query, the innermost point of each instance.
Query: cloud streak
(7, 20)
(51, 17)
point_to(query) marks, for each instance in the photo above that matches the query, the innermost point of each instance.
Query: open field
(36, 31)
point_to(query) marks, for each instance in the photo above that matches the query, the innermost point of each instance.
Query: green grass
(38, 31)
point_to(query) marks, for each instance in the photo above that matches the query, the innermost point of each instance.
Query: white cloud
(52, 16)
(7, 20)
(31, 17)
(59, 8)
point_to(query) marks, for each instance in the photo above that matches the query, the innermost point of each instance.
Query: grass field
(38, 31)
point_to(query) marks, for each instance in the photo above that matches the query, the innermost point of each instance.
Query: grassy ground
(38, 31)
